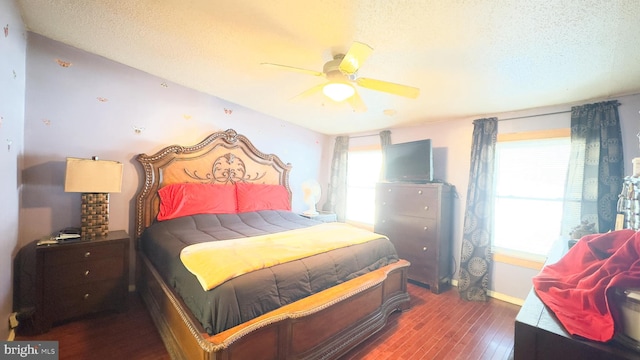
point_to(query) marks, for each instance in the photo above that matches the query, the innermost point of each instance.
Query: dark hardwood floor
(436, 327)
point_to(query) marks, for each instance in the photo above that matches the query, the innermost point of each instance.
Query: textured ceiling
(469, 58)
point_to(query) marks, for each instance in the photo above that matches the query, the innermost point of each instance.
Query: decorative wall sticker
(46, 122)
(138, 130)
(186, 117)
(64, 64)
(228, 111)
(6, 30)
(101, 99)
(164, 84)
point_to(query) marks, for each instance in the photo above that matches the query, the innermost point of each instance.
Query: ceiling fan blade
(307, 93)
(291, 68)
(355, 57)
(389, 87)
(356, 103)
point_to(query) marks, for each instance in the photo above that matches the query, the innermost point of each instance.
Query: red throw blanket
(580, 287)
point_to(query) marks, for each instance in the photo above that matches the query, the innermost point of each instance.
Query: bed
(308, 316)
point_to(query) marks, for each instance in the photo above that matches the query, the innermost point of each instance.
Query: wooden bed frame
(325, 325)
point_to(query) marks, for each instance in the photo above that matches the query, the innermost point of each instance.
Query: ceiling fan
(342, 72)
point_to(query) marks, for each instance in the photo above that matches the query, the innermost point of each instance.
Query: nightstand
(323, 216)
(80, 278)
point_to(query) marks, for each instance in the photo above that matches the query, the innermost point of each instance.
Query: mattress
(251, 295)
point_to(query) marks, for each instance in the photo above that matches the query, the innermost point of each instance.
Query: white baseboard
(498, 296)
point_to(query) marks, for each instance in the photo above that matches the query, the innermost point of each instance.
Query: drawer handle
(384, 203)
(426, 208)
(424, 248)
(419, 192)
(425, 229)
(86, 273)
(86, 296)
(87, 254)
(384, 221)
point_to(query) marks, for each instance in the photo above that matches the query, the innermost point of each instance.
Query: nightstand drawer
(83, 299)
(80, 273)
(82, 252)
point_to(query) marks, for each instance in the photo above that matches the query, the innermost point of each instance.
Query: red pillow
(191, 198)
(254, 197)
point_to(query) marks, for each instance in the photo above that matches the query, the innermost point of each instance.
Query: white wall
(94, 106)
(12, 88)
(451, 143)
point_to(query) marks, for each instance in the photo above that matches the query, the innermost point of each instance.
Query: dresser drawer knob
(86, 296)
(426, 228)
(86, 273)
(424, 248)
(419, 192)
(389, 190)
(87, 254)
(426, 208)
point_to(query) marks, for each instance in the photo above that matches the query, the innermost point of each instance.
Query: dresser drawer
(84, 272)
(408, 201)
(422, 271)
(407, 229)
(82, 252)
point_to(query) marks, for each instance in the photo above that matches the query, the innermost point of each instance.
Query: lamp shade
(93, 176)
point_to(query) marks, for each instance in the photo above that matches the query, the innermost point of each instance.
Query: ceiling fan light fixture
(338, 91)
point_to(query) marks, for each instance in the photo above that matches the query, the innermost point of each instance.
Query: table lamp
(95, 179)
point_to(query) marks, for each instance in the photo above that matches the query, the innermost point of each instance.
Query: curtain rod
(361, 136)
(530, 116)
(553, 113)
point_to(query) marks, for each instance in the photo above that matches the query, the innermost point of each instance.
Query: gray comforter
(251, 295)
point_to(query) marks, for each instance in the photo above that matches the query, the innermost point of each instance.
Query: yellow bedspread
(218, 261)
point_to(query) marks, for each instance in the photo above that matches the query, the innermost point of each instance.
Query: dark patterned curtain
(337, 189)
(475, 257)
(385, 140)
(596, 169)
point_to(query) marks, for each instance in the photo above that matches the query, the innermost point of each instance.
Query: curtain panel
(475, 257)
(596, 169)
(337, 188)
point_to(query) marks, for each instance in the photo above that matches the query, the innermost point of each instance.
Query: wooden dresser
(539, 335)
(417, 219)
(81, 277)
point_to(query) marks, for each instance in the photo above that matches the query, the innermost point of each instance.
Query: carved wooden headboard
(223, 157)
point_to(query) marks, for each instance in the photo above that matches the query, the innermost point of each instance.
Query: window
(529, 189)
(362, 176)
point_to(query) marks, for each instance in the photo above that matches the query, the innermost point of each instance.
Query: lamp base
(95, 215)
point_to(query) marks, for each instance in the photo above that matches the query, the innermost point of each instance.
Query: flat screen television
(409, 162)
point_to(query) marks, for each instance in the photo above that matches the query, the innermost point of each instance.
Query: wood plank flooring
(436, 327)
